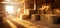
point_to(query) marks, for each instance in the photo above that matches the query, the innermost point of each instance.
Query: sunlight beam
(11, 24)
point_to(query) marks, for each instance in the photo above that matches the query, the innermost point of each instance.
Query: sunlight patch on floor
(27, 23)
(21, 22)
(11, 24)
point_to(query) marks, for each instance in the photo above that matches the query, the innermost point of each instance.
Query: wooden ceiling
(30, 3)
(1, 0)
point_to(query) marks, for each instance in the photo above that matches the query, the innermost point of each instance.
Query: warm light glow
(21, 16)
(18, 10)
(11, 24)
(45, 7)
(57, 10)
(9, 9)
(21, 2)
(7, 0)
(27, 12)
(24, 11)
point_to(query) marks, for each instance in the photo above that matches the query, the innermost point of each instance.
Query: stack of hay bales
(24, 17)
(31, 11)
(35, 17)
